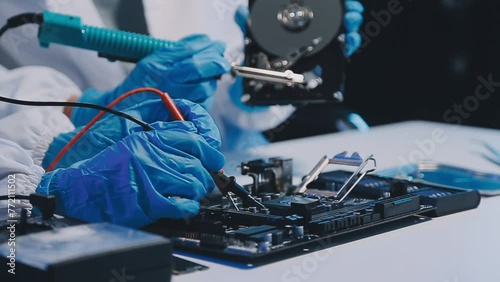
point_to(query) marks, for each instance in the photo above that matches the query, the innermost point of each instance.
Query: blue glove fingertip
(241, 17)
(353, 42)
(203, 66)
(195, 41)
(352, 21)
(210, 65)
(354, 6)
(219, 46)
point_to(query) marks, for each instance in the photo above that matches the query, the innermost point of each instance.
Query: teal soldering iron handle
(130, 47)
(111, 44)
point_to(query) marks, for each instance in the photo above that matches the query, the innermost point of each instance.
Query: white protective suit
(26, 132)
(68, 71)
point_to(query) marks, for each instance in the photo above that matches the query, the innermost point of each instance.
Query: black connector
(228, 184)
(46, 204)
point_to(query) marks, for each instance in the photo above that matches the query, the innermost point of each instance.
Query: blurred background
(423, 62)
(426, 59)
(419, 60)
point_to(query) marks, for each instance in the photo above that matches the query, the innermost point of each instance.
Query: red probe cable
(169, 103)
(224, 183)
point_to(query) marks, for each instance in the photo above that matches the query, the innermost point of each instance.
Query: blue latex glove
(352, 21)
(141, 178)
(112, 128)
(187, 70)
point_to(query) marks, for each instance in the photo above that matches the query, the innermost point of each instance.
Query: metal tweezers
(287, 77)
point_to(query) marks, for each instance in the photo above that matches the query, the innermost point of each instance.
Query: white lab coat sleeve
(18, 173)
(34, 128)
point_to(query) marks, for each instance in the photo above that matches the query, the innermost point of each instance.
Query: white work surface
(462, 247)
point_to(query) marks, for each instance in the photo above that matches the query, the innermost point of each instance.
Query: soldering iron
(120, 45)
(132, 47)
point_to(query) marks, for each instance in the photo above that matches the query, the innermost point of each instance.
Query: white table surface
(461, 247)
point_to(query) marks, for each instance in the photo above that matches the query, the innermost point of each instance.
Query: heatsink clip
(341, 159)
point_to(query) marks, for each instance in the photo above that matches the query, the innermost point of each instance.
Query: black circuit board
(291, 223)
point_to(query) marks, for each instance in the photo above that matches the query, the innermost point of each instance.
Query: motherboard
(268, 220)
(325, 209)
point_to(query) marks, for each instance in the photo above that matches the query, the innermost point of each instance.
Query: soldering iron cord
(75, 104)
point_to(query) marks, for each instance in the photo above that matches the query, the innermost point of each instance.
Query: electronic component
(341, 159)
(284, 223)
(182, 266)
(53, 248)
(310, 42)
(451, 176)
(88, 252)
(271, 176)
(263, 225)
(257, 223)
(228, 184)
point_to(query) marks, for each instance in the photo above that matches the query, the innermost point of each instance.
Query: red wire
(169, 103)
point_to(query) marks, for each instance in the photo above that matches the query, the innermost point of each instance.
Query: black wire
(37, 18)
(3, 30)
(144, 125)
(14, 197)
(21, 19)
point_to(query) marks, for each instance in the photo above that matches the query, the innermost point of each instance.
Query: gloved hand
(112, 128)
(186, 70)
(352, 21)
(143, 177)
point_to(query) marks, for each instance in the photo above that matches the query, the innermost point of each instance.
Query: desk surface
(455, 248)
